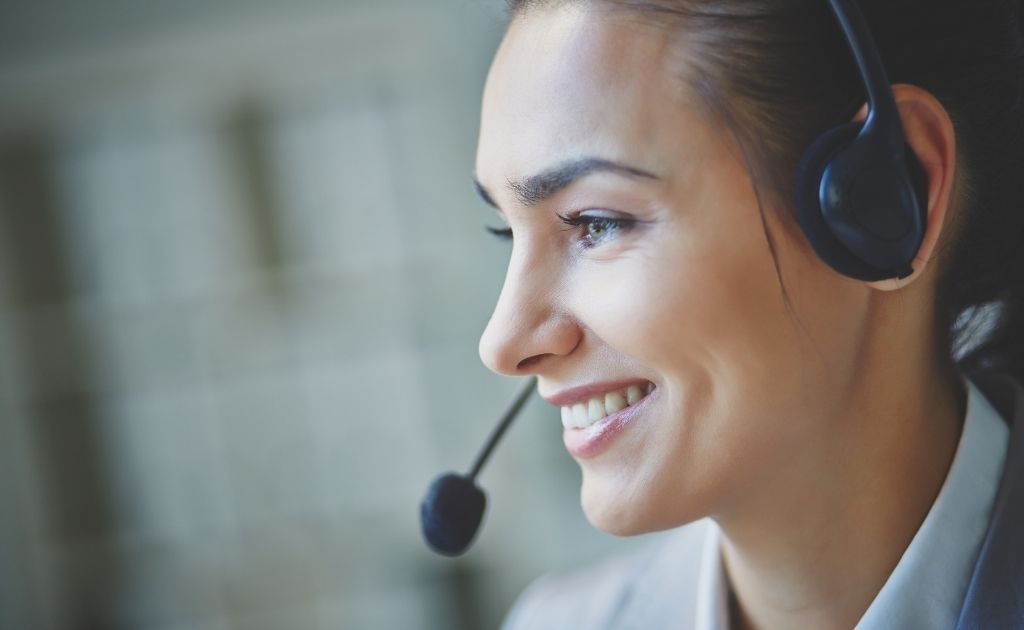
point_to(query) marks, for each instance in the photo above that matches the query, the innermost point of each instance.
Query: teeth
(579, 415)
(633, 394)
(584, 414)
(614, 402)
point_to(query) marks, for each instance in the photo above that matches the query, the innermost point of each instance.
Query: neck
(815, 548)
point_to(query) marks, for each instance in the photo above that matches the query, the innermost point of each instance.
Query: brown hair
(777, 73)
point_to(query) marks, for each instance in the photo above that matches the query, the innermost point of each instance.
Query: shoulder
(656, 582)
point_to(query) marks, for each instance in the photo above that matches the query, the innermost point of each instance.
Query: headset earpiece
(861, 195)
(875, 205)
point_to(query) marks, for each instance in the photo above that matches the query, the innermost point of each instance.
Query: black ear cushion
(808, 206)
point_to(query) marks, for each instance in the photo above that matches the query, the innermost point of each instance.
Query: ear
(928, 131)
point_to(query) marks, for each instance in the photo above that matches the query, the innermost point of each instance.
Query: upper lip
(573, 395)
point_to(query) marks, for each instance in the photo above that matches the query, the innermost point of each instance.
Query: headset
(861, 200)
(861, 194)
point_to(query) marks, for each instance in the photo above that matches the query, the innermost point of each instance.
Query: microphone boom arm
(503, 424)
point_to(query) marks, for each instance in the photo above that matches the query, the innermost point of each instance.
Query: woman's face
(584, 116)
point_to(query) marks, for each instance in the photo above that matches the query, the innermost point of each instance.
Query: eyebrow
(537, 188)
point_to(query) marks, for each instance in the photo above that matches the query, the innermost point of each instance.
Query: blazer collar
(995, 594)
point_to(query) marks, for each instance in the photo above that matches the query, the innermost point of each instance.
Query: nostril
(529, 362)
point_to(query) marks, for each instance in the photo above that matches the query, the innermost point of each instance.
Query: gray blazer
(655, 588)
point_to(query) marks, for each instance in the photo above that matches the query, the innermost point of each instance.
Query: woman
(822, 459)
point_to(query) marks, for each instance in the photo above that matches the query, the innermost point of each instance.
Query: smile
(588, 412)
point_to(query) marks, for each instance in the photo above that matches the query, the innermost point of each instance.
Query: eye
(596, 229)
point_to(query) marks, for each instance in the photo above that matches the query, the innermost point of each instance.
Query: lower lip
(595, 439)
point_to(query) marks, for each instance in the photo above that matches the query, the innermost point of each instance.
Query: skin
(818, 436)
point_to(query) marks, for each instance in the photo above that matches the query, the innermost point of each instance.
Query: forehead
(580, 79)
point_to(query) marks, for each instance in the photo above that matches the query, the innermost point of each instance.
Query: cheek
(708, 317)
(745, 376)
(676, 302)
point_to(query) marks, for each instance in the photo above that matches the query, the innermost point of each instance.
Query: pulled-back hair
(777, 73)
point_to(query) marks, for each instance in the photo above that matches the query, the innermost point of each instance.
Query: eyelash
(609, 224)
(504, 234)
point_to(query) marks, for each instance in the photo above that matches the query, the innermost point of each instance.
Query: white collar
(927, 587)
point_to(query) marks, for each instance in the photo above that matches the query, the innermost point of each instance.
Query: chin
(618, 511)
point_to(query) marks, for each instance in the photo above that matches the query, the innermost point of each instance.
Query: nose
(529, 328)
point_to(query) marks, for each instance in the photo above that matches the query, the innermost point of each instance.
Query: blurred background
(242, 279)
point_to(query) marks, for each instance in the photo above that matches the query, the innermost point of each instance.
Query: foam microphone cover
(451, 513)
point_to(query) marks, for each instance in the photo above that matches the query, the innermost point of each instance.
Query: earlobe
(929, 132)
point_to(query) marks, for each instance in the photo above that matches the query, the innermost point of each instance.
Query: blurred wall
(242, 279)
